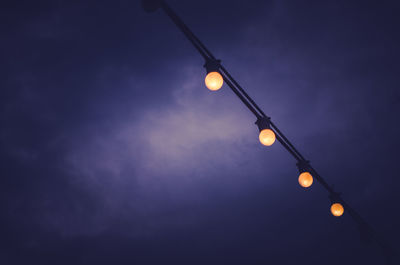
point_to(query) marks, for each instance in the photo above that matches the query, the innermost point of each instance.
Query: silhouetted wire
(256, 110)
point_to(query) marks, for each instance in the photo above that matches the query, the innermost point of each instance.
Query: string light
(267, 136)
(214, 79)
(217, 75)
(305, 177)
(337, 209)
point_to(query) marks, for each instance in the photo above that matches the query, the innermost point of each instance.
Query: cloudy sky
(113, 151)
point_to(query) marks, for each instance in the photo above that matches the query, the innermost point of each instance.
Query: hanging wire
(256, 110)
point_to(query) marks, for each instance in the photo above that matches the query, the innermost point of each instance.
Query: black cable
(287, 140)
(248, 105)
(165, 6)
(179, 23)
(253, 107)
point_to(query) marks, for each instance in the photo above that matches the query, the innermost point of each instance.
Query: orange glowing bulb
(214, 81)
(267, 137)
(305, 179)
(337, 209)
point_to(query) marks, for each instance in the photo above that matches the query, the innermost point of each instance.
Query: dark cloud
(113, 151)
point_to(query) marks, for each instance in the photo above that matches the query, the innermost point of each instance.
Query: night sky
(113, 151)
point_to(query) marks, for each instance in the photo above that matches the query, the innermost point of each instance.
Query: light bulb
(305, 179)
(337, 209)
(214, 81)
(267, 137)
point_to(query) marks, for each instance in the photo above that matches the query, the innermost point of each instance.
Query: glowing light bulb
(214, 81)
(337, 209)
(267, 137)
(305, 179)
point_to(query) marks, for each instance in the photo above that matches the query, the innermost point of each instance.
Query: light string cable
(366, 231)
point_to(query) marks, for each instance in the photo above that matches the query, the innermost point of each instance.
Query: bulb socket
(303, 166)
(263, 123)
(334, 197)
(212, 65)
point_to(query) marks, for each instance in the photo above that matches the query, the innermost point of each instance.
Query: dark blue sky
(112, 150)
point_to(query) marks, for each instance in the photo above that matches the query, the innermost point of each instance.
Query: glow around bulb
(267, 137)
(305, 179)
(337, 209)
(214, 81)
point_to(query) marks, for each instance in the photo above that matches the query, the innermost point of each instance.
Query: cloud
(170, 153)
